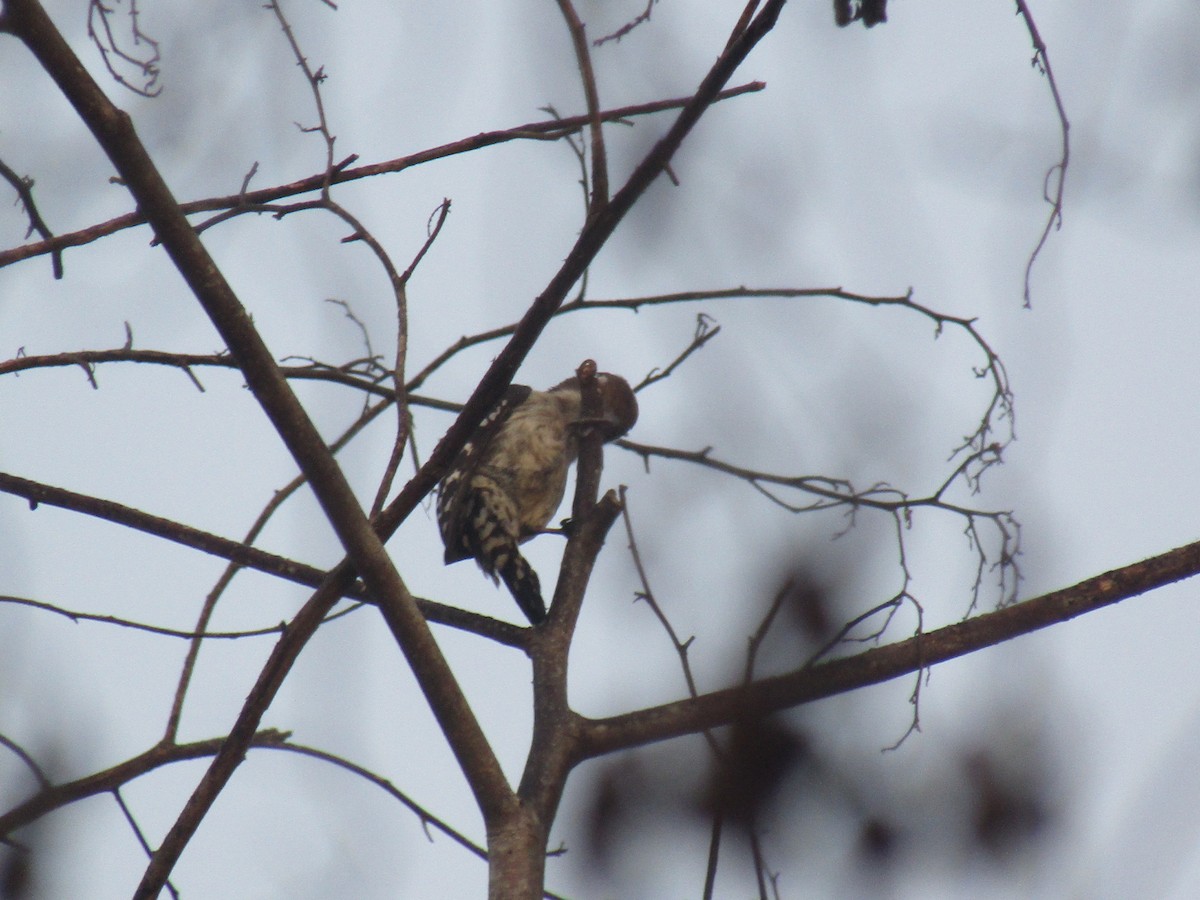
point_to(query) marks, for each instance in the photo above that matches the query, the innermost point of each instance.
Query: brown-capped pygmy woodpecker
(509, 478)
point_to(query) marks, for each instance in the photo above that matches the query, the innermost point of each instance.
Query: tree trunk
(517, 856)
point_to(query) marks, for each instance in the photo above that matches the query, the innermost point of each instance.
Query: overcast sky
(908, 156)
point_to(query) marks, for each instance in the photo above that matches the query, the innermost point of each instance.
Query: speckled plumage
(510, 477)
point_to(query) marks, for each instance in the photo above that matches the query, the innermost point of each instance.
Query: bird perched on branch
(509, 478)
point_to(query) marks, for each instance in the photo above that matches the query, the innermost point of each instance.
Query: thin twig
(646, 595)
(403, 415)
(425, 817)
(643, 16)
(705, 332)
(118, 621)
(1056, 175)
(27, 758)
(314, 79)
(137, 832)
(24, 188)
(591, 95)
(110, 46)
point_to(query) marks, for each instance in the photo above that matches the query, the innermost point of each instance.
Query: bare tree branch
(643, 16)
(160, 755)
(243, 554)
(601, 736)
(115, 134)
(400, 293)
(139, 834)
(1056, 175)
(517, 822)
(109, 45)
(592, 99)
(705, 332)
(426, 818)
(24, 189)
(77, 616)
(249, 201)
(27, 758)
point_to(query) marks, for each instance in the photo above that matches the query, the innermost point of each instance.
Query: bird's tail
(523, 584)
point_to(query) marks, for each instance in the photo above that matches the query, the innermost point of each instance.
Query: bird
(509, 478)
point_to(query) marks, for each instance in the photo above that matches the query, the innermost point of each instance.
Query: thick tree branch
(592, 238)
(59, 795)
(553, 745)
(246, 555)
(114, 131)
(600, 736)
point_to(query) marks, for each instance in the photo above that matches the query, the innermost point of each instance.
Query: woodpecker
(509, 478)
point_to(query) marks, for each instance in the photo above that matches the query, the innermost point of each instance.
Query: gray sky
(911, 155)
